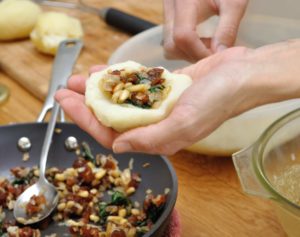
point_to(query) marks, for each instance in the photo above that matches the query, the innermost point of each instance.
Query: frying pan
(157, 176)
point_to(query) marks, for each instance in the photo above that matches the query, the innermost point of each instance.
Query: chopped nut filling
(145, 88)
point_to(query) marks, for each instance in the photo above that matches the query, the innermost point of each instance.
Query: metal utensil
(68, 52)
(113, 17)
(42, 187)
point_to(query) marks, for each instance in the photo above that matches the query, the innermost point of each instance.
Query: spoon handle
(64, 61)
(48, 140)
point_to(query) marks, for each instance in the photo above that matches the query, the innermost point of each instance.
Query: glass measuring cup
(270, 168)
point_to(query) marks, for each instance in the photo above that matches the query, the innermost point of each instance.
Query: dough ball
(17, 18)
(127, 115)
(52, 28)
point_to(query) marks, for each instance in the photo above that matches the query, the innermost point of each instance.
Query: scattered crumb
(146, 165)
(167, 190)
(77, 152)
(136, 204)
(148, 191)
(130, 165)
(25, 156)
(58, 130)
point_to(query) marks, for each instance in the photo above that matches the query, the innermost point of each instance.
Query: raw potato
(123, 117)
(52, 28)
(17, 18)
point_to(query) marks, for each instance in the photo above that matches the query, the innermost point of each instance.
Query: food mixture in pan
(144, 89)
(81, 199)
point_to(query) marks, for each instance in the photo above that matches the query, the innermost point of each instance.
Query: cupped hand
(200, 110)
(213, 97)
(224, 85)
(181, 17)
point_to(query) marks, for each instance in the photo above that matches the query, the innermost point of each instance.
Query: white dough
(123, 117)
(52, 28)
(17, 18)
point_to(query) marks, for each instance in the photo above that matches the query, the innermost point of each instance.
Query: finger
(185, 35)
(231, 13)
(77, 83)
(97, 68)
(74, 106)
(170, 49)
(165, 137)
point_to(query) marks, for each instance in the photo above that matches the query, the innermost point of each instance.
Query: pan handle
(67, 54)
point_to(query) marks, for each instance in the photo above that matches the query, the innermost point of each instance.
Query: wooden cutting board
(32, 69)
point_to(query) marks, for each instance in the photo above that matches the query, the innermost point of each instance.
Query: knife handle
(125, 22)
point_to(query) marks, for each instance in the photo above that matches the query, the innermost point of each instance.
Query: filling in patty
(145, 88)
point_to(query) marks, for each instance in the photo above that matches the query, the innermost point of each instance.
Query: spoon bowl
(42, 187)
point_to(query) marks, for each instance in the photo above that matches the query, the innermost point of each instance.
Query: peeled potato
(123, 117)
(17, 18)
(52, 28)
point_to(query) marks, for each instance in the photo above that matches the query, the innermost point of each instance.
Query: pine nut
(140, 87)
(83, 194)
(119, 87)
(94, 218)
(60, 177)
(115, 96)
(124, 96)
(61, 206)
(135, 211)
(130, 190)
(122, 212)
(100, 173)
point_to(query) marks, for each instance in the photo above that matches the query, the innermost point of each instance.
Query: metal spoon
(68, 52)
(42, 187)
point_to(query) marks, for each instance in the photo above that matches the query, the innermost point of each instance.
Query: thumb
(231, 13)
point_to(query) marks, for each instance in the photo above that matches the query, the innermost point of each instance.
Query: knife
(113, 17)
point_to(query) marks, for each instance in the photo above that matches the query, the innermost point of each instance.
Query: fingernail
(221, 47)
(120, 147)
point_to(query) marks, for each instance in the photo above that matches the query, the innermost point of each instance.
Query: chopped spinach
(103, 214)
(141, 231)
(156, 88)
(153, 212)
(87, 153)
(119, 198)
(143, 106)
(141, 79)
(24, 180)
(141, 223)
(1, 228)
(19, 181)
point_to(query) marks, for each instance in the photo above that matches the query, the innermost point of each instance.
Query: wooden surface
(32, 69)
(210, 199)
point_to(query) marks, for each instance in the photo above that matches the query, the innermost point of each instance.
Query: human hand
(225, 85)
(181, 18)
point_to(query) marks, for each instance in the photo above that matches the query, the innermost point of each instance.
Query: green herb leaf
(141, 231)
(19, 181)
(141, 223)
(1, 228)
(87, 153)
(143, 106)
(142, 80)
(103, 214)
(153, 212)
(119, 198)
(156, 88)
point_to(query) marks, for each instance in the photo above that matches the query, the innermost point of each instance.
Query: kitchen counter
(210, 199)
